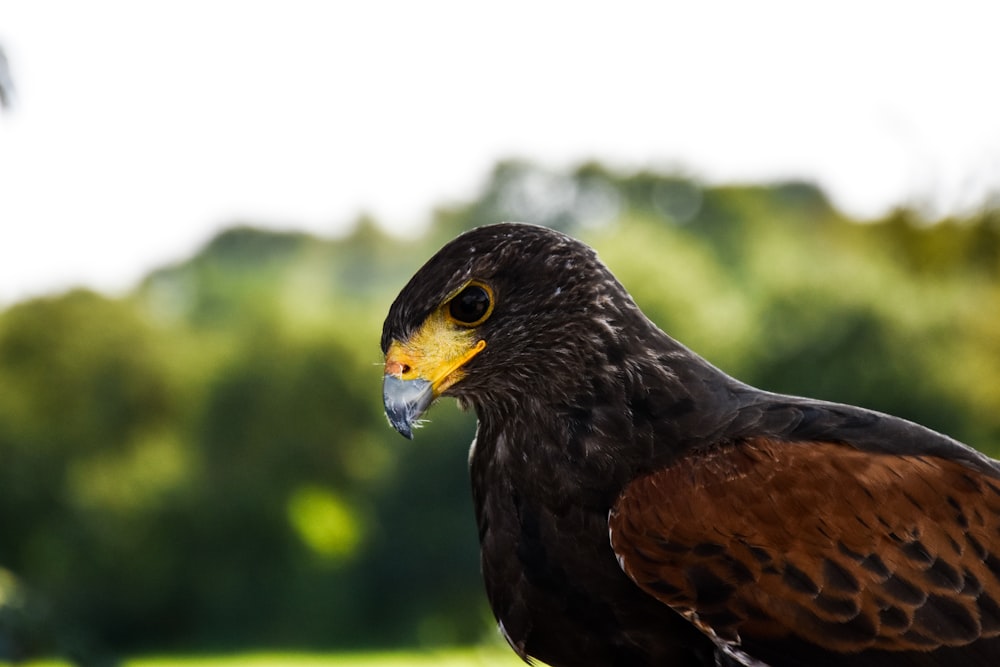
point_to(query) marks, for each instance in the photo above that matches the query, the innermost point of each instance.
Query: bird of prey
(637, 506)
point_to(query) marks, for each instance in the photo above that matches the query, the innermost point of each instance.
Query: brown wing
(845, 549)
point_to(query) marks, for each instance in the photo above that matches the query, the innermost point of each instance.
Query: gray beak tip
(404, 429)
(405, 401)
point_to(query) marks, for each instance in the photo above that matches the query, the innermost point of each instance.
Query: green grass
(463, 657)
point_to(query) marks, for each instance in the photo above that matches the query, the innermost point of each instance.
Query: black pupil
(470, 305)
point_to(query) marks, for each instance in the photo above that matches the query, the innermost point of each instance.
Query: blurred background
(206, 209)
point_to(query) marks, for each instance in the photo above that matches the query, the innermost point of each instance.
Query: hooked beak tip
(404, 429)
(405, 401)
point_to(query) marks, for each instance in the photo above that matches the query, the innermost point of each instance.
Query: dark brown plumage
(637, 506)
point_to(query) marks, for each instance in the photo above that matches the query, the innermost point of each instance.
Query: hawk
(638, 506)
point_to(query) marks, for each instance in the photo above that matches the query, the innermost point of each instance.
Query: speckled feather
(849, 551)
(747, 528)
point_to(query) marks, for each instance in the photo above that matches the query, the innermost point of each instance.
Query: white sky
(141, 128)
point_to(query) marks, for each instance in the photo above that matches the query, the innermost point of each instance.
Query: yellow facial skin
(443, 344)
(436, 352)
(432, 359)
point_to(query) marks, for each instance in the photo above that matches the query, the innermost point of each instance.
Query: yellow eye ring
(471, 305)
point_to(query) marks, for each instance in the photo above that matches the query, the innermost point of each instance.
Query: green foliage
(204, 463)
(486, 656)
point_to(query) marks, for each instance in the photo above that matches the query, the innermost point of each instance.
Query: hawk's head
(500, 312)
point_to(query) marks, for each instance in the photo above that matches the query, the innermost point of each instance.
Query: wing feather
(845, 549)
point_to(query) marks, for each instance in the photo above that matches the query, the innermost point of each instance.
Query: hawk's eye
(471, 306)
